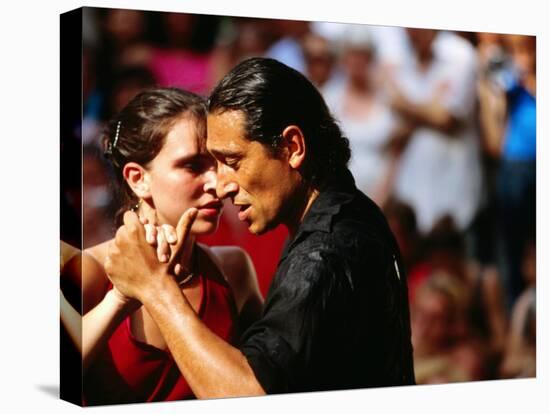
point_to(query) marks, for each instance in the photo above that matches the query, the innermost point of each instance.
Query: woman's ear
(137, 178)
(296, 146)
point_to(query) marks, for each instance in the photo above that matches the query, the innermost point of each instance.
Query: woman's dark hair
(138, 132)
(273, 96)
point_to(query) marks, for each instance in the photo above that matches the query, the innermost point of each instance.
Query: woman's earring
(136, 206)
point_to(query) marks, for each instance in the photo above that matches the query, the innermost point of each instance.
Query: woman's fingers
(162, 248)
(169, 233)
(151, 234)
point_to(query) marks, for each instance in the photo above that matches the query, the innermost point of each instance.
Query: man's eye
(232, 163)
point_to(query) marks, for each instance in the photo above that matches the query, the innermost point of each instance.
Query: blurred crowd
(442, 127)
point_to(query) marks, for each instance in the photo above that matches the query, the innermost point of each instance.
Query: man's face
(259, 183)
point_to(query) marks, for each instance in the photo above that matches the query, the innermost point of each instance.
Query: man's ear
(137, 178)
(295, 144)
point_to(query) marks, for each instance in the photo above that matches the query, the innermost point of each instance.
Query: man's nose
(210, 180)
(226, 186)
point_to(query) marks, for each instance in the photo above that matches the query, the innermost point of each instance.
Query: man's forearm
(430, 114)
(212, 367)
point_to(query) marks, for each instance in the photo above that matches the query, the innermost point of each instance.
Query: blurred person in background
(179, 50)
(508, 118)
(492, 61)
(439, 170)
(127, 82)
(441, 250)
(402, 222)
(521, 348)
(366, 120)
(445, 349)
(288, 47)
(119, 31)
(156, 145)
(240, 38)
(320, 58)
(97, 203)
(489, 315)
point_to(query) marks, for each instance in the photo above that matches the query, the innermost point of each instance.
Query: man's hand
(132, 264)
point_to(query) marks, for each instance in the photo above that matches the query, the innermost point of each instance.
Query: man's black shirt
(336, 315)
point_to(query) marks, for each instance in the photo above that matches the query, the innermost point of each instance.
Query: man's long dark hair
(273, 96)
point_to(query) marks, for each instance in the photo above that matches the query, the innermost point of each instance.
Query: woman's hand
(161, 236)
(132, 264)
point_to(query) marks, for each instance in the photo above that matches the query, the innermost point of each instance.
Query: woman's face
(183, 175)
(522, 49)
(356, 63)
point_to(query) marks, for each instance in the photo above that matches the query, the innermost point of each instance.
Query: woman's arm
(71, 320)
(492, 116)
(99, 324)
(211, 366)
(103, 309)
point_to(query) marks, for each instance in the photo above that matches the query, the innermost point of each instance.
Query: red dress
(132, 371)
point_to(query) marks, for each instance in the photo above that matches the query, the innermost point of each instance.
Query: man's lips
(243, 212)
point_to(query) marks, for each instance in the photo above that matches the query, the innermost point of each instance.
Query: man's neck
(310, 196)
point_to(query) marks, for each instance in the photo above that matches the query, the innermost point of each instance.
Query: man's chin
(256, 229)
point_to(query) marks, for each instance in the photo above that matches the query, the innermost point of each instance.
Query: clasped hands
(142, 255)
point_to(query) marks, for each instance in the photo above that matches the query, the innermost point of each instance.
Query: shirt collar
(338, 192)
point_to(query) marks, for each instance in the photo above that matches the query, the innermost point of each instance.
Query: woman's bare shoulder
(241, 276)
(232, 259)
(95, 282)
(237, 267)
(99, 251)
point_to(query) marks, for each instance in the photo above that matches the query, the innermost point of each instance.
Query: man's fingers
(148, 213)
(112, 251)
(182, 232)
(133, 226)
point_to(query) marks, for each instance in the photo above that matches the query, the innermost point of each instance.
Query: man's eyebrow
(224, 153)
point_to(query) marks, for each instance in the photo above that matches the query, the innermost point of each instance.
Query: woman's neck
(359, 86)
(187, 260)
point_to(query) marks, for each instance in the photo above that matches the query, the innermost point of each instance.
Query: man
(336, 315)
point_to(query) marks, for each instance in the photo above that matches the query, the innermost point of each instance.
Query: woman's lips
(210, 212)
(211, 209)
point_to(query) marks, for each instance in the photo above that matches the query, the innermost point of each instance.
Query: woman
(157, 148)
(366, 119)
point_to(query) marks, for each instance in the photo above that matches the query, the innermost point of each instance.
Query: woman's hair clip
(112, 144)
